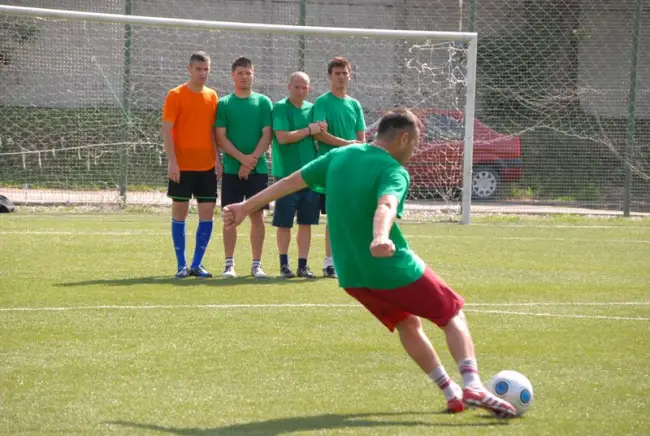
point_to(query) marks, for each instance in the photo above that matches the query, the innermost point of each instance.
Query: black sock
(284, 260)
(302, 263)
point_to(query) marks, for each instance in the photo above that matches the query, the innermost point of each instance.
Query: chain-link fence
(562, 101)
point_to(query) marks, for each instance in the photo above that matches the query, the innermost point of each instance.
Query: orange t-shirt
(192, 114)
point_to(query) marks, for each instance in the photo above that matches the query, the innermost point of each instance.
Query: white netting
(81, 100)
(555, 74)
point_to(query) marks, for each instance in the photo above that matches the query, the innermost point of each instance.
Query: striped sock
(230, 261)
(441, 378)
(469, 370)
(256, 263)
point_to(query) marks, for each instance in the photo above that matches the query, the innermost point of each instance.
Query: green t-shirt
(344, 118)
(354, 178)
(244, 119)
(288, 158)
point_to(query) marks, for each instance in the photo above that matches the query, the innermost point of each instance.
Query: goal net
(81, 97)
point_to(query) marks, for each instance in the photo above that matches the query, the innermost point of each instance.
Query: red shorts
(428, 297)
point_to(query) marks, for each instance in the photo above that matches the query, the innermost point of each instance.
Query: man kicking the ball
(374, 262)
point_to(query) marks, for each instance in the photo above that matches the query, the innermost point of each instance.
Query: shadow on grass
(276, 427)
(190, 281)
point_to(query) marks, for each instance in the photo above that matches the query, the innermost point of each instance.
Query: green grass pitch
(96, 338)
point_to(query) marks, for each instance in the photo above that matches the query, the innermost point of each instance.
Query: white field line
(559, 303)
(328, 305)
(564, 316)
(217, 235)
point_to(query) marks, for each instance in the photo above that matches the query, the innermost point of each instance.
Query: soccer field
(96, 338)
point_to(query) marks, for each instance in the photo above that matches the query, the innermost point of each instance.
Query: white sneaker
(258, 272)
(229, 272)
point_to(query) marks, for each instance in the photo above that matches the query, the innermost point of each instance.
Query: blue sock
(203, 233)
(178, 236)
(284, 260)
(302, 263)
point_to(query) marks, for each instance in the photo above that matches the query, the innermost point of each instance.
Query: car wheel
(486, 182)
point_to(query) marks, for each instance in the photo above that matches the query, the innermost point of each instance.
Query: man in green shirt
(345, 126)
(243, 132)
(293, 147)
(374, 262)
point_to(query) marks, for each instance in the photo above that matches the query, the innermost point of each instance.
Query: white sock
(440, 377)
(328, 262)
(256, 263)
(230, 261)
(469, 370)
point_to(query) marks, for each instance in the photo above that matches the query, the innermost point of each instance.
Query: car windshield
(443, 128)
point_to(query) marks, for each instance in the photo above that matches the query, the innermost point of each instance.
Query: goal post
(433, 72)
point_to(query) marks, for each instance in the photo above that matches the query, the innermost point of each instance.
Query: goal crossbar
(23, 11)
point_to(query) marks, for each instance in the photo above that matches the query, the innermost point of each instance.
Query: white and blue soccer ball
(513, 387)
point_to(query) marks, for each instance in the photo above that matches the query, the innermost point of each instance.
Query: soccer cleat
(258, 272)
(200, 271)
(485, 400)
(329, 272)
(285, 272)
(306, 273)
(229, 272)
(456, 405)
(183, 273)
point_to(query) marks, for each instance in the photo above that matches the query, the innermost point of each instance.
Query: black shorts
(200, 184)
(321, 200)
(235, 190)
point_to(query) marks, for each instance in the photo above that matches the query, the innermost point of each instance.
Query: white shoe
(229, 272)
(258, 272)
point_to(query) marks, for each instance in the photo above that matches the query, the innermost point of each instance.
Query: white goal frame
(467, 37)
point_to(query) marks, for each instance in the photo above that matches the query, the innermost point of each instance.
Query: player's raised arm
(234, 214)
(313, 175)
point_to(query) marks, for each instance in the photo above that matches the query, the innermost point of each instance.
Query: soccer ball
(513, 387)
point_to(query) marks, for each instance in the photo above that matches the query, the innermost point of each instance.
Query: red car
(437, 164)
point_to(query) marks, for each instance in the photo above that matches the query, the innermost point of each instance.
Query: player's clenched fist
(382, 247)
(233, 215)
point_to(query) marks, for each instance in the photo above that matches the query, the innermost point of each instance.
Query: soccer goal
(81, 97)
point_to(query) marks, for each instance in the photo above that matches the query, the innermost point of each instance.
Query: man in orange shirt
(194, 163)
